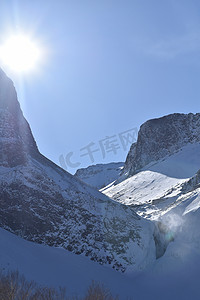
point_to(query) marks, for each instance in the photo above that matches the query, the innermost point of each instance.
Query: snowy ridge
(100, 175)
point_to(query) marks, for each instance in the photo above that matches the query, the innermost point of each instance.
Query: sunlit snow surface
(156, 189)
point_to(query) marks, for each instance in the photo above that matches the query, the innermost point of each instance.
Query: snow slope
(57, 267)
(44, 205)
(54, 266)
(161, 179)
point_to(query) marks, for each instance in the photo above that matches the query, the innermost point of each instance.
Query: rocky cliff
(158, 138)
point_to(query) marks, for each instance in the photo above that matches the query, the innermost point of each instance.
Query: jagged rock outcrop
(43, 203)
(160, 137)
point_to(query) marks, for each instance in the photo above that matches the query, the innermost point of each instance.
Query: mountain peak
(8, 96)
(16, 139)
(160, 137)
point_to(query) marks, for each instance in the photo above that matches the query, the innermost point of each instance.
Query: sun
(20, 53)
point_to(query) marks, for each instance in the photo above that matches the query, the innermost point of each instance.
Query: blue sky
(108, 67)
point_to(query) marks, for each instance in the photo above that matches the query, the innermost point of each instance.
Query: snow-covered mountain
(166, 154)
(43, 203)
(148, 210)
(100, 175)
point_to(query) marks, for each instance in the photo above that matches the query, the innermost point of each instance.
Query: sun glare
(19, 53)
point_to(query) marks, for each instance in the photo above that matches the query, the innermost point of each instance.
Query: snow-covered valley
(138, 235)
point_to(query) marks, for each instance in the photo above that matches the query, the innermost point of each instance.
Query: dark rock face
(160, 137)
(43, 203)
(16, 140)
